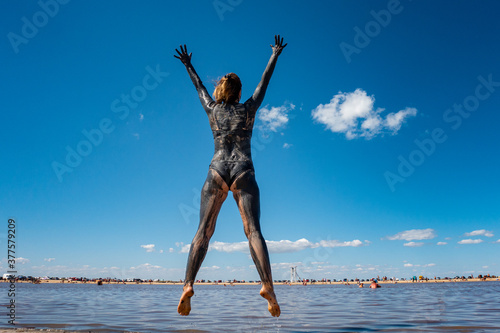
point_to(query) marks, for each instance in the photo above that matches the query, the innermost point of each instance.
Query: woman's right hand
(183, 55)
(279, 45)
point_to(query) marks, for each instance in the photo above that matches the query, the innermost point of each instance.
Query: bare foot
(273, 306)
(184, 306)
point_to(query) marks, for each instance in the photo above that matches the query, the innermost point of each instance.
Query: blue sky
(375, 148)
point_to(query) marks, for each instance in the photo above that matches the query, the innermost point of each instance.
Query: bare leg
(213, 194)
(246, 194)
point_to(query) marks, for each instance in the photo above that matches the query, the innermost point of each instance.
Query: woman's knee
(252, 230)
(202, 238)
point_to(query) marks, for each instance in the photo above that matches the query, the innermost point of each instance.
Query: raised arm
(205, 97)
(258, 96)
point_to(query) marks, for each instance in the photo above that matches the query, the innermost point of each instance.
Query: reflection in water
(443, 307)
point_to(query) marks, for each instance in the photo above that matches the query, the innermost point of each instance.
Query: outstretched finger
(178, 52)
(190, 54)
(177, 56)
(281, 43)
(284, 45)
(185, 49)
(275, 40)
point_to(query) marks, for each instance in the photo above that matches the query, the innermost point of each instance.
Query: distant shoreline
(256, 283)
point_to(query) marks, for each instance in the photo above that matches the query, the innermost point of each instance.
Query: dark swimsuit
(232, 126)
(233, 145)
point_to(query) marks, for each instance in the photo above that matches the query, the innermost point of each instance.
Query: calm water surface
(444, 307)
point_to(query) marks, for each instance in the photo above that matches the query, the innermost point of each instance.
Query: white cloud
(470, 241)
(413, 244)
(353, 114)
(171, 250)
(282, 246)
(229, 247)
(287, 145)
(276, 117)
(149, 247)
(498, 241)
(418, 265)
(146, 267)
(141, 117)
(301, 244)
(481, 232)
(140, 271)
(211, 268)
(49, 259)
(414, 234)
(321, 269)
(335, 243)
(441, 243)
(185, 248)
(22, 260)
(395, 120)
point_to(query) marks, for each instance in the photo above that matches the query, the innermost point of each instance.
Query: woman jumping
(232, 170)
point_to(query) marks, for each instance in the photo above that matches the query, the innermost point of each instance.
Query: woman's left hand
(183, 55)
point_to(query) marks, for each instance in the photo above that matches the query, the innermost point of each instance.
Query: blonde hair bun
(228, 89)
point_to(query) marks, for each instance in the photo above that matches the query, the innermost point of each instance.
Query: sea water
(414, 307)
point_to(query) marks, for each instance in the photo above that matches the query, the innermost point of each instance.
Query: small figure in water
(232, 170)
